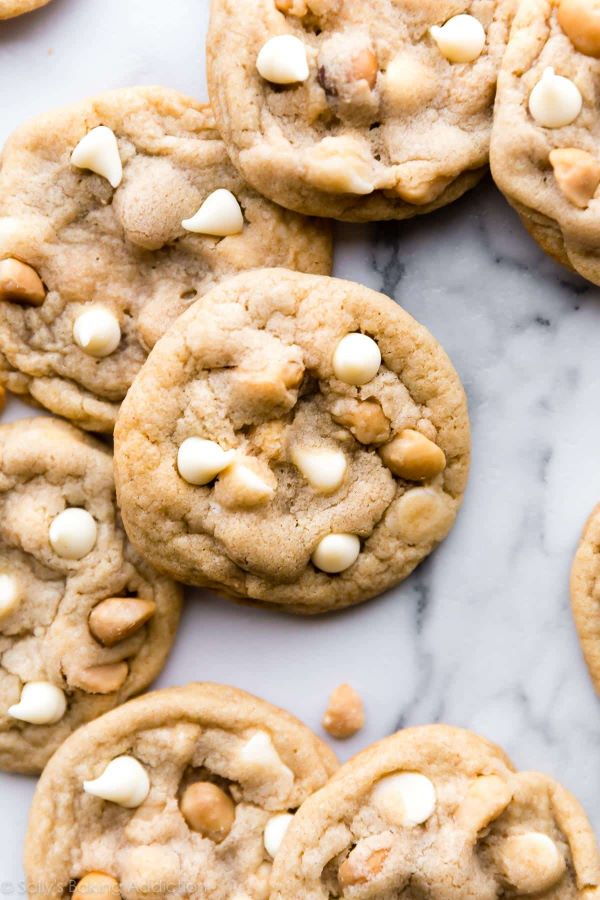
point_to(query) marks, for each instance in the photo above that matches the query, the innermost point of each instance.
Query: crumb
(345, 713)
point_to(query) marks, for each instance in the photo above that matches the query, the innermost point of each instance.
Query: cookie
(544, 151)
(358, 110)
(11, 8)
(295, 440)
(115, 213)
(585, 594)
(185, 791)
(437, 812)
(84, 621)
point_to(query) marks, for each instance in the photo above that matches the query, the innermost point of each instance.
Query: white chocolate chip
(531, 862)
(336, 552)
(356, 359)
(98, 151)
(283, 60)
(97, 331)
(555, 101)
(73, 533)
(259, 752)
(41, 703)
(274, 832)
(220, 215)
(461, 39)
(124, 781)
(324, 469)
(200, 461)
(10, 595)
(406, 799)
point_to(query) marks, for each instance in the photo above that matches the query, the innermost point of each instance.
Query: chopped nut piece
(580, 21)
(246, 483)
(577, 174)
(20, 283)
(345, 714)
(367, 421)
(101, 679)
(97, 886)
(354, 871)
(269, 439)
(412, 456)
(263, 389)
(117, 618)
(208, 810)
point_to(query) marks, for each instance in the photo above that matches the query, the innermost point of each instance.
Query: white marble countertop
(481, 635)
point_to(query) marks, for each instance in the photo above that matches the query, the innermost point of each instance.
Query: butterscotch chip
(580, 21)
(577, 173)
(299, 512)
(345, 713)
(437, 812)
(62, 548)
(412, 456)
(143, 177)
(181, 792)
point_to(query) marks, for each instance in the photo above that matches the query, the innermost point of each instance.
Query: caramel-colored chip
(117, 618)
(208, 810)
(364, 66)
(580, 21)
(367, 421)
(101, 679)
(345, 714)
(412, 456)
(577, 174)
(352, 871)
(20, 283)
(97, 886)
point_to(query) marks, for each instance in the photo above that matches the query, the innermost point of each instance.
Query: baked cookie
(437, 812)
(84, 622)
(357, 109)
(114, 214)
(294, 440)
(544, 154)
(183, 792)
(585, 594)
(11, 8)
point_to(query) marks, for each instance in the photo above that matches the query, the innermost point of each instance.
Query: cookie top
(115, 213)
(362, 110)
(585, 594)
(437, 812)
(84, 622)
(11, 8)
(210, 778)
(546, 128)
(293, 439)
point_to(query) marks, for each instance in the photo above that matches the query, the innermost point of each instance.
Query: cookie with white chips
(115, 213)
(294, 440)
(357, 109)
(544, 150)
(186, 791)
(437, 812)
(85, 623)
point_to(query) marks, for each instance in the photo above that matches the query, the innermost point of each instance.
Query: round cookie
(585, 594)
(357, 109)
(544, 151)
(115, 213)
(84, 621)
(11, 8)
(201, 803)
(265, 450)
(437, 812)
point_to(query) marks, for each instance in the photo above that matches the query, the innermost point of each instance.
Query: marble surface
(481, 635)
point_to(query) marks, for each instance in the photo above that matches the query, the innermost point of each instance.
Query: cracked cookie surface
(382, 121)
(221, 773)
(437, 812)
(84, 622)
(90, 274)
(549, 167)
(585, 594)
(295, 440)
(11, 8)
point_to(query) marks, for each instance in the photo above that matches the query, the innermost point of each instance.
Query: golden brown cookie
(357, 109)
(85, 623)
(585, 594)
(295, 440)
(183, 792)
(115, 213)
(436, 812)
(11, 8)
